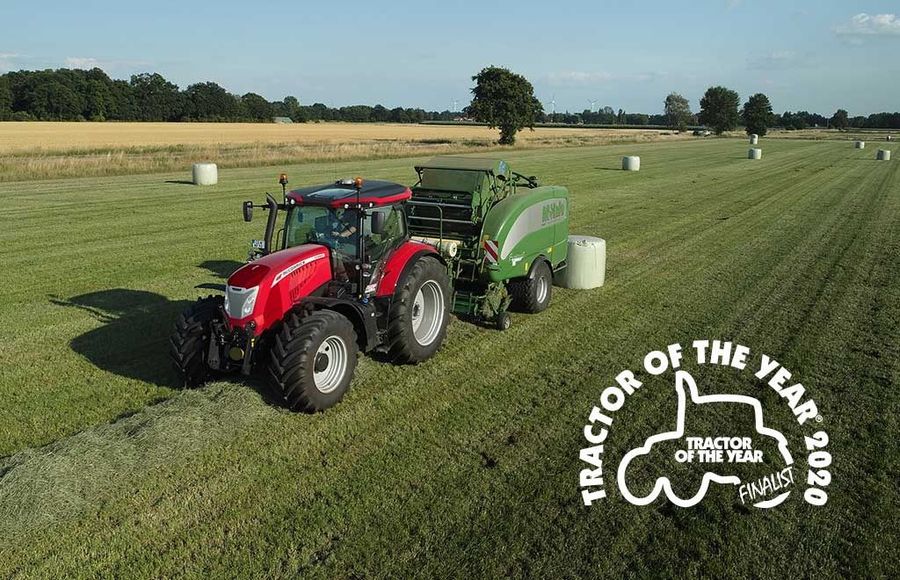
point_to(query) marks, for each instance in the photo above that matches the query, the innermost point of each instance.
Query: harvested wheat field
(51, 150)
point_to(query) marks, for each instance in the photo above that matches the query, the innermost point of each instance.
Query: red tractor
(342, 277)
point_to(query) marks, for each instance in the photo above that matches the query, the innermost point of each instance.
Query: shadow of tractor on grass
(133, 339)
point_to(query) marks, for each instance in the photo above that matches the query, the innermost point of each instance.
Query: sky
(805, 55)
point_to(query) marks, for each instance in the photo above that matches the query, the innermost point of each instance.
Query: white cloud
(579, 78)
(588, 79)
(8, 61)
(776, 60)
(82, 62)
(870, 25)
(87, 62)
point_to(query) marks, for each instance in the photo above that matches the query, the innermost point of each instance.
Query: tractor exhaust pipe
(270, 222)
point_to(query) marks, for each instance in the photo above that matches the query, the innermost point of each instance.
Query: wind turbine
(455, 104)
(552, 105)
(592, 102)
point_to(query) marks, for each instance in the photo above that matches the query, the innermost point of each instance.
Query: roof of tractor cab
(493, 166)
(338, 194)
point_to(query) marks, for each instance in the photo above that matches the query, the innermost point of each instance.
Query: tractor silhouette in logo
(719, 471)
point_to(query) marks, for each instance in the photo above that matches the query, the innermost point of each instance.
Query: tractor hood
(265, 289)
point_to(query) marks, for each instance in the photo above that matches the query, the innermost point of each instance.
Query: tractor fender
(362, 316)
(399, 262)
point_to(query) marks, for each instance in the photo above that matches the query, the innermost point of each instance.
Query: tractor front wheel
(313, 360)
(189, 343)
(419, 313)
(532, 293)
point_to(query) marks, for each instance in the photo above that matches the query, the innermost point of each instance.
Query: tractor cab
(359, 221)
(359, 225)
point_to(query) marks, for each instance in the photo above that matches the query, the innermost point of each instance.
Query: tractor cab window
(334, 227)
(394, 231)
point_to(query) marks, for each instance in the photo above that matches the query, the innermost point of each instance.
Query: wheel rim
(330, 364)
(428, 313)
(542, 288)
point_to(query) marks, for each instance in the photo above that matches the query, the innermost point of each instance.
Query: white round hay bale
(754, 154)
(890, 137)
(860, 144)
(884, 155)
(754, 139)
(206, 174)
(631, 163)
(586, 264)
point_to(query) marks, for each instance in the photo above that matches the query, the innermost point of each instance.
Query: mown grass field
(466, 465)
(39, 150)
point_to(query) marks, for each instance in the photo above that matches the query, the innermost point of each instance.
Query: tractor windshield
(337, 228)
(334, 227)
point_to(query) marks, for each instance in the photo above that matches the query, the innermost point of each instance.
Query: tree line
(91, 95)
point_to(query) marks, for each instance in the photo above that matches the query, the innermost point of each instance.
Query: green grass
(465, 465)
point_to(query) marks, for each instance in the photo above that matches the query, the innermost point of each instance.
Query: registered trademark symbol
(819, 419)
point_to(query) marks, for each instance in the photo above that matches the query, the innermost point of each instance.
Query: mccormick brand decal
(733, 443)
(293, 268)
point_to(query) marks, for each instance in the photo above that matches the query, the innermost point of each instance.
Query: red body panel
(398, 259)
(283, 278)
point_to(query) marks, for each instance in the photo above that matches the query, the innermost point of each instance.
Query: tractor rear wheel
(419, 313)
(313, 359)
(189, 343)
(532, 293)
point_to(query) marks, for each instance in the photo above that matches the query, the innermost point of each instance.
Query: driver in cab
(344, 231)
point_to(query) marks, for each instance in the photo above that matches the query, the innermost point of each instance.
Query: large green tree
(256, 107)
(504, 100)
(719, 109)
(840, 120)
(210, 102)
(155, 98)
(757, 114)
(678, 112)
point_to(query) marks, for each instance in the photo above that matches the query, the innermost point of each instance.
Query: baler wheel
(419, 313)
(313, 359)
(502, 322)
(532, 293)
(190, 340)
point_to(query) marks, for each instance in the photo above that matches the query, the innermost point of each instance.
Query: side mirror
(248, 211)
(379, 219)
(501, 177)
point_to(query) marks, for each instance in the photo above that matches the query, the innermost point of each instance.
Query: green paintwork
(532, 224)
(477, 181)
(473, 199)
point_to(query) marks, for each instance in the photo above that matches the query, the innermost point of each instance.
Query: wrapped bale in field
(586, 264)
(860, 144)
(754, 154)
(631, 163)
(206, 174)
(754, 139)
(883, 155)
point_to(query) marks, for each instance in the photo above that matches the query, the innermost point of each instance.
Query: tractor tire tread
(187, 345)
(292, 354)
(402, 346)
